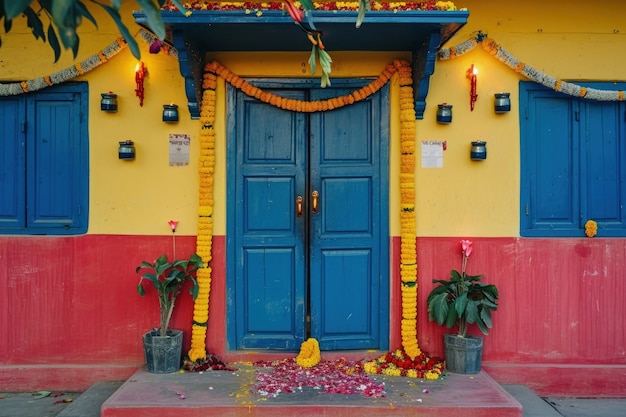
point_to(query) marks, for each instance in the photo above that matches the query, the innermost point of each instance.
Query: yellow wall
(572, 40)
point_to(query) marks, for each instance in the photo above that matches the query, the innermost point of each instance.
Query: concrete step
(89, 403)
(533, 405)
(230, 394)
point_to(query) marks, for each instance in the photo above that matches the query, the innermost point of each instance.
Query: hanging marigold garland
(527, 71)
(408, 255)
(204, 239)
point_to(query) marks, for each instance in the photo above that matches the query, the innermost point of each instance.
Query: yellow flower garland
(310, 354)
(204, 240)
(408, 255)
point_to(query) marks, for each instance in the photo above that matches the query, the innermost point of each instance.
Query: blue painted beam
(421, 32)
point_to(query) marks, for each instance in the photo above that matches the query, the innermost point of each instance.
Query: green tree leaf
(63, 13)
(82, 9)
(313, 59)
(13, 8)
(34, 22)
(153, 14)
(54, 42)
(115, 15)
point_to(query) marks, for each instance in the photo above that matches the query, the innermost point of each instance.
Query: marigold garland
(527, 71)
(310, 354)
(204, 239)
(591, 228)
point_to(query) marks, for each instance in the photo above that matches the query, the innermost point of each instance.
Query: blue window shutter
(573, 163)
(54, 177)
(12, 160)
(550, 165)
(604, 163)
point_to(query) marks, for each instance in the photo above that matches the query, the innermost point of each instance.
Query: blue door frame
(320, 271)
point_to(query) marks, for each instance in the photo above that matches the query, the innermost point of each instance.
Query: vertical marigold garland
(205, 217)
(408, 258)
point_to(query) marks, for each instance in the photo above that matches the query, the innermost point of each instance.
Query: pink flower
(173, 224)
(466, 247)
(155, 46)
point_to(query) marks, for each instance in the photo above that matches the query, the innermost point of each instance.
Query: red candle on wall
(471, 74)
(140, 73)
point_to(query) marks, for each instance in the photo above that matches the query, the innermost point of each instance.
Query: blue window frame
(44, 161)
(573, 163)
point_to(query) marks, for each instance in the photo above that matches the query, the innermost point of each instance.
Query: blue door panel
(12, 163)
(347, 206)
(347, 323)
(267, 142)
(271, 315)
(350, 128)
(270, 205)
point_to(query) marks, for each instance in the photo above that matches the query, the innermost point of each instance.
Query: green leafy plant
(168, 279)
(463, 299)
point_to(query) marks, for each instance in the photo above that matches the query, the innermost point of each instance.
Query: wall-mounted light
(126, 150)
(170, 113)
(502, 102)
(108, 103)
(444, 113)
(478, 152)
(472, 72)
(140, 73)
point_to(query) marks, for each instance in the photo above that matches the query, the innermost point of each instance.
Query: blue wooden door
(309, 224)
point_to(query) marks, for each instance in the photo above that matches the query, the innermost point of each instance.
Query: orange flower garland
(310, 354)
(204, 239)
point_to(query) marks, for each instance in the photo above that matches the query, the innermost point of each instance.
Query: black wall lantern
(444, 113)
(502, 102)
(126, 150)
(478, 152)
(108, 102)
(170, 113)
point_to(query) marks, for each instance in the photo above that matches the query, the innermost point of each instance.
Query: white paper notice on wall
(179, 149)
(432, 154)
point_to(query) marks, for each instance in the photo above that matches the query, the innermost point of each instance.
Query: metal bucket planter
(163, 353)
(463, 354)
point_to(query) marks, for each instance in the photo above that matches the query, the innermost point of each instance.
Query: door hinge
(577, 114)
(23, 126)
(527, 210)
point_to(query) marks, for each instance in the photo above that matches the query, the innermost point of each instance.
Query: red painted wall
(70, 314)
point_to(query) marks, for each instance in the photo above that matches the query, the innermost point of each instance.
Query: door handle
(299, 206)
(315, 199)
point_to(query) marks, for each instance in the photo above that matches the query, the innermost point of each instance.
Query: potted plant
(163, 346)
(463, 300)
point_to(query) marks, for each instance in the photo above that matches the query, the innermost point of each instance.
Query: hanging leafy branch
(318, 52)
(56, 21)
